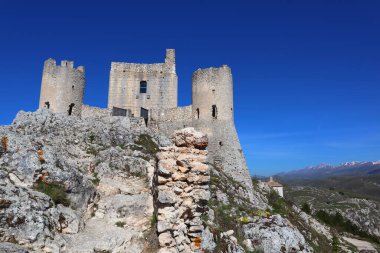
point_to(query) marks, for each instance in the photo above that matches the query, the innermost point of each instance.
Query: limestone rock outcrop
(275, 234)
(76, 185)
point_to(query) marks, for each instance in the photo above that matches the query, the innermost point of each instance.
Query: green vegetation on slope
(231, 215)
(148, 145)
(56, 192)
(338, 222)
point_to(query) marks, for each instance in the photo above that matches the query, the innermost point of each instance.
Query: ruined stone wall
(182, 113)
(182, 192)
(62, 86)
(137, 123)
(169, 120)
(94, 112)
(161, 79)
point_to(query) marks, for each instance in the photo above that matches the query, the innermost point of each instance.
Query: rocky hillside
(112, 185)
(345, 212)
(70, 185)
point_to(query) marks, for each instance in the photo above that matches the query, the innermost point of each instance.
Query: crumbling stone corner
(182, 192)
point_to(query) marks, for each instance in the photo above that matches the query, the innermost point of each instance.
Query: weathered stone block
(167, 197)
(165, 239)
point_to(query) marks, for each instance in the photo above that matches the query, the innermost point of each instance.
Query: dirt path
(361, 245)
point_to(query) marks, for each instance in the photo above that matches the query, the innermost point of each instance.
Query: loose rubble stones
(182, 179)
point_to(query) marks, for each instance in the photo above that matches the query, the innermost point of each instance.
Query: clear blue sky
(306, 73)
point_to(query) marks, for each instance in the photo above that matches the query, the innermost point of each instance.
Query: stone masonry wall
(62, 86)
(182, 191)
(94, 112)
(161, 79)
(170, 115)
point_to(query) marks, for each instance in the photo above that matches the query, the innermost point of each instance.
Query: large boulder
(189, 137)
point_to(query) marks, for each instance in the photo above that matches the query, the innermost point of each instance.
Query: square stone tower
(140, 87)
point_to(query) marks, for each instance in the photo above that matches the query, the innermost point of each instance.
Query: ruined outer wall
(94, 112)
(183, 113)
(168, 120)
(161, 78)
(62, 86)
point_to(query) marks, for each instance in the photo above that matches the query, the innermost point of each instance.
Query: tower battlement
(64, 63)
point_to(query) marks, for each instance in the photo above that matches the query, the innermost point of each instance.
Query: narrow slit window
(47, 105)
(214, 112)
(71, 106)
(197, 113)
(143, 86)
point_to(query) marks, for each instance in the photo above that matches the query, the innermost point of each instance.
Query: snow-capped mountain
(326, 170)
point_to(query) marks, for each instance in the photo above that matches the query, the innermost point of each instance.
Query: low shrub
(278, 203)
(120, 224)
(306, 208)
(335, 244)
(56, 192)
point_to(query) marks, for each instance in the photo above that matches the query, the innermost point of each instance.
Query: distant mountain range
(326, 170)
(359, 177)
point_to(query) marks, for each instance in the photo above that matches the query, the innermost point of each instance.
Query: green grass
(153, 220)
(56, 192)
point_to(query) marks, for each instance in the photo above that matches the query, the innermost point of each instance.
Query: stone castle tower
(140, 87)
(212, 94)
(213, 114)
(62, 87)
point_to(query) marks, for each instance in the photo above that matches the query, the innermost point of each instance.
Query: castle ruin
(150, 91)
